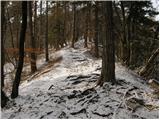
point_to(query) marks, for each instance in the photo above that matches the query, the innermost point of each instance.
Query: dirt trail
(66, 92)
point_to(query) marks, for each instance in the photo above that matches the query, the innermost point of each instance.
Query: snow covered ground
(66, 91)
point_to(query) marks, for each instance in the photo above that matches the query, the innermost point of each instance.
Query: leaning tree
(21, 51)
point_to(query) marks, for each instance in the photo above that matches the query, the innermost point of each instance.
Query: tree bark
(124, 41)
(46, 38)
(10, 28)
(96, 30)
(40, 27)
(21, 51)
(2, 41)
(86, 27)
(108, 58)
(12, 38)
(64, 23)
(4, 98)
(74, 24)
(32, 38)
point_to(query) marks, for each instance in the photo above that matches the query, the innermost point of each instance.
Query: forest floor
(66, 90)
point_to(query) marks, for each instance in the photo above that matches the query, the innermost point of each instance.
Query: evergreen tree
(108, 58)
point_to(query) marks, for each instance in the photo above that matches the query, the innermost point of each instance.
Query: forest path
(65, 92)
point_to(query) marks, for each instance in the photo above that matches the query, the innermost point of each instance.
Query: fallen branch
(50, 87)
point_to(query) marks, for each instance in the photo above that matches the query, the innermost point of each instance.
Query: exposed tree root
(83, 110)
(102, 115)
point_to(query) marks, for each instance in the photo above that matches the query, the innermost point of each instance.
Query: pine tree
(108, 58)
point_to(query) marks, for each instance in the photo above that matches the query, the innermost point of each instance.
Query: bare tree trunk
(12, 38)
(35, 21)
(17, 32)
(32, 37)
(46, 39)
(77, 26)
(89, 20)
(96, 30)
(21, 51)
(4, 98)
(124, 41)
(74, 24)
(86, 29)
(108, 58)
(64, 23)
(41, 33)
(10, 27)
(2, 41)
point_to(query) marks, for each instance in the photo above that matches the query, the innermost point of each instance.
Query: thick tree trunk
(46, 38)
(21, 51)
(32, 38)
(108, 58)
(96, 30)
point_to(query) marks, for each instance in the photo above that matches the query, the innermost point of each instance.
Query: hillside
(67, 89)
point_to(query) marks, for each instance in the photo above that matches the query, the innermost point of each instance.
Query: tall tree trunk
(32, 37)
(74, 24)
(2, 41)
(89, 20)
(4, 98)
(46, 38)
(17, 32)
(58, 27)
(64, 23)
(10, 28)
(21, 51)
(86, 28)
(129, 38)
(108, 58)
(40, 27)
(124, 40)
(77, 25)
(96, 30)
(35, 21)
(12, 38)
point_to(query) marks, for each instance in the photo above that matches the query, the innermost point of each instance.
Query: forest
(80, 59)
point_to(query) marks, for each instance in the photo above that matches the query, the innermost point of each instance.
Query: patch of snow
(63, 91)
